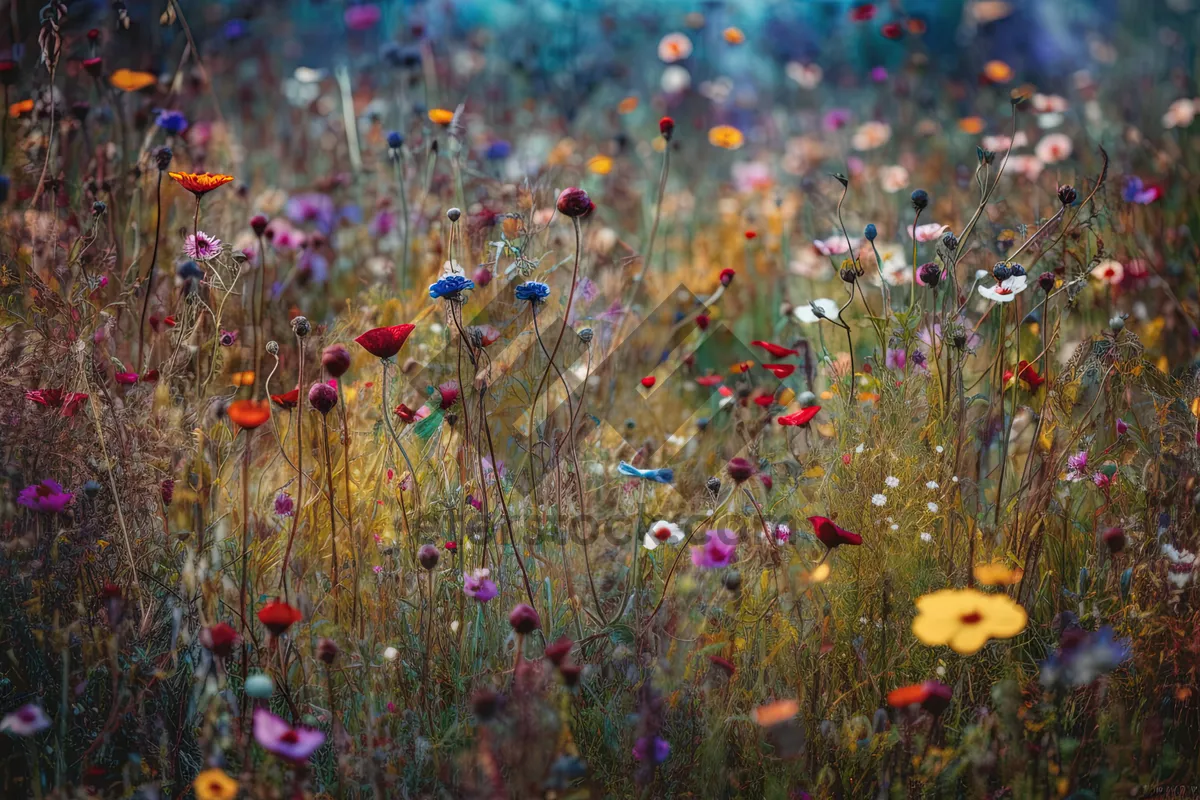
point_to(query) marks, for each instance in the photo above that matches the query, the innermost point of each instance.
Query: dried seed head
(301, 326)
(273, 348)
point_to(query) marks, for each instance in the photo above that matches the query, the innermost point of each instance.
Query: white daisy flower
(662, 532)
(926, 537)
(939, 449)
(931, 485)
(1006, 290)
(879, 499)
(892, 481)
(933, 507)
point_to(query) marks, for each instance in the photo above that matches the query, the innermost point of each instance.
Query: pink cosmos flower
(1077, 466)
(202, 247)
(718, 551)
(928, 233)
(835, 245)
(25, 721)
(48, 497)
(281, 739)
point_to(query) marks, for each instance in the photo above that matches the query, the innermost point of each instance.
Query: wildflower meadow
(540, 399)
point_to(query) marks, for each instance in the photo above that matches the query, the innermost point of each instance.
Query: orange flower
(128, 80)
(775, 713)
(627, 105)
(997, 72)
(249, 414)
(245, 378)
(200, 183)
(734, 35)
(971, 125)
(726, 137)
(20, 107)
(441, 116)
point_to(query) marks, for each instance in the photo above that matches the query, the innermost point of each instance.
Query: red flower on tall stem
(288, 400)
(776, 350)
(278, 616)
(832, 535)
(385, 342)
(801, 417)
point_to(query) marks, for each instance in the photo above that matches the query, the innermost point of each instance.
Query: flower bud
(336, 360)
(1067, 194)
(454, 214)
(739, 469)
(1114, 538)
(733, 580)
(258, 224)
(666, 126)
(1001, 272)
(524, 619)
(162, 158)
(1046, 281)
(327, 651)
(574, 202)
(301, 326)
(322, 397)
(930, 274)
(870, 232)
(727, 276)
(428, 555)
(920, 199)
(272, 348)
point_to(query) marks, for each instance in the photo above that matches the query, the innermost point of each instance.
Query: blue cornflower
(870, 232)
(173, 122)
(533, 291)
(395, 139)
(664, 475)
(498, 150)
(1083, 657)
(450, 286)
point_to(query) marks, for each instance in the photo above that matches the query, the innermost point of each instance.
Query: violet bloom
(652, 749)
(836, 119)
(284, 505)
(1077, 466)
(717, 552)
(1122, 427)
(25, 721)
(1083, 657)
(281, 739)
(479, 586)
(312, 208)
(48, 497)
(383, 224)
(895, 359)
(202, 247)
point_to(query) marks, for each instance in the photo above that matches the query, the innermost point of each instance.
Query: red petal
(776, 350)
(780, 371)
(385, 342)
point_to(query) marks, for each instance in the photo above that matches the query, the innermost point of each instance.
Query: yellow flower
(997, 574)
(726, 137)
(214, 784)
(441, 116)
(600, 165)
(965, 619)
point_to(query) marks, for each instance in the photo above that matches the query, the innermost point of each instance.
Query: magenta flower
(284, 505)
(1077, 466)
(1122, 427)
(126, 378)
(896, 358)
(25, 721)
(281, 739)
(362, 17)
(47, 496)
(477, 585)
(717, 552)
(202, 247)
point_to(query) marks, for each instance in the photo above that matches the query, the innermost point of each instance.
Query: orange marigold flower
(200, 183)
(128, 80)
(733, 35)
(441, 116)
(997, 72)
(20, 107)
(726, 137)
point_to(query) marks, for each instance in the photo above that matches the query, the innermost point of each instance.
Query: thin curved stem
(149, 289)
(287, 554)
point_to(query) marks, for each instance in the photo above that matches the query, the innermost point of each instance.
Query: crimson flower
(832, 535)
(932, 696)
(405, 413)
(863, 12)
(776, 350)
(288, 400)
(385, 342)
(448, 392)
(710, 380)
(780, 371)
(1030, 380)
(278, 616)
(648, 381)
(801, 417)
(219, 639)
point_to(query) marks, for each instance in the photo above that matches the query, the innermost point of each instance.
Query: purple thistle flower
(312, 208)
(717, 552)
(652, 749)
(47, 496)
(281, 739)
(284, 505)
(201, 247)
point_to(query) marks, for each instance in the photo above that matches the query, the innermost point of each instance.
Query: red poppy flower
(764, 400)
(709, 380)
(249, 414)
(725, 391)
(451, 546)
(776, 350)
(1031, 381)
(169, 322)
(863, 12)
(219, 639)
(892, 30)
(405, 413)
(832, 535)
(385, 342)
(780, 371)
(51, 398)
(727, 276)
(801, 417)
(932, 696)
(648, 381)
(278, 616)
(666, 126)
(448, 392)
(288, 400)
(751, 235)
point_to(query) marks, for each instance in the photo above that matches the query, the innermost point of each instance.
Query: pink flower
(362, 17)
(718, 551)
(284, 505)
(25, 721)
(1122, 427)
(477, 585)
(48, 497)
(928, 233)
(835, 245)
(1077, 466)
(126, 378)
(281, 739)
(202, 247)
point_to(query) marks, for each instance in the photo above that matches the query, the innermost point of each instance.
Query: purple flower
(836, 119)
(1136, 191)
(362, 17)
(1077, 466)
(895, 359)
(202, 247)
(1122, 427)
(281, 739)
(879, 74)
(173, 122)
(312, 208)
(383, 224)
(477, 585)
(1083, 657)
(652, 749)
(47, 496)
(284, 505)
(717, 552)
(25, 721)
